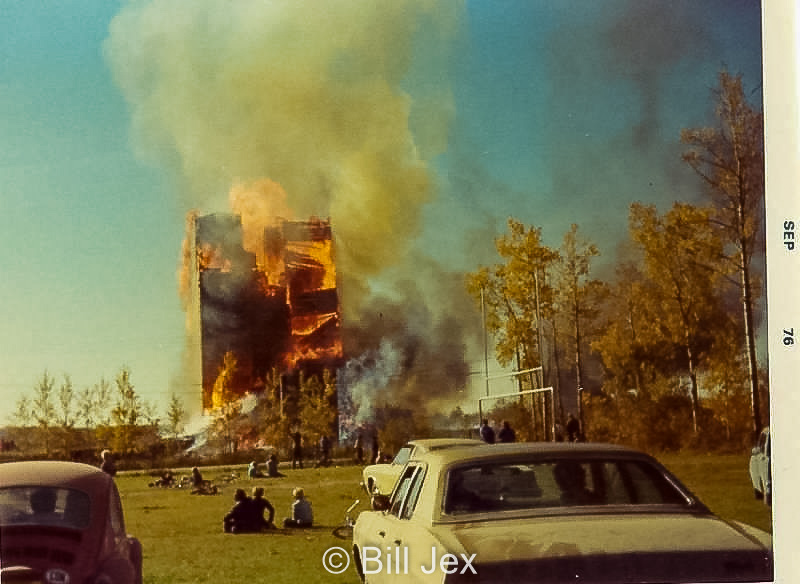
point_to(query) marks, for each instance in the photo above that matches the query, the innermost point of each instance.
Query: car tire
(137, 560)
(756, 494)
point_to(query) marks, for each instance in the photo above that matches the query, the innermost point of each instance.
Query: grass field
(184, 543)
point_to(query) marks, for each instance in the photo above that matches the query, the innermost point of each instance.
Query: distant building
(274, 306)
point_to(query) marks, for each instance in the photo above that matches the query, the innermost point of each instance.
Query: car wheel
(136, 560)
(756, 493)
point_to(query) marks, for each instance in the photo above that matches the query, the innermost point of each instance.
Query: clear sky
(417, 127)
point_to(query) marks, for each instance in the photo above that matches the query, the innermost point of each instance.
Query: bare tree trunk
(578, 380)
(693, 393)
(752, 364)
(557, 383)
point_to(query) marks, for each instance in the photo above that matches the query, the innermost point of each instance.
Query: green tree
(43, 408)
(679, 249)
(176, 416)
(23, 412)
(93, 412)
(318, 404)
(730, 159)
(128, 413)
(634, 352)
(577, 298)
(516, 296)
(66, 417)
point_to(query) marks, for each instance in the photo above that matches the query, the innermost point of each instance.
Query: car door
(401, 543)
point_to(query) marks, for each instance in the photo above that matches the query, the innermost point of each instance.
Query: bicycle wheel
(344, 532)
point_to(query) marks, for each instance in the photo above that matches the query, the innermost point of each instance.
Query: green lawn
(184, 543)
(723, 483)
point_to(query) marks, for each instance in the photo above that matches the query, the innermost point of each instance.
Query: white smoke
(318, 104)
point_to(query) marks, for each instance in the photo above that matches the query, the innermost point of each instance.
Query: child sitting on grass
(302, 515)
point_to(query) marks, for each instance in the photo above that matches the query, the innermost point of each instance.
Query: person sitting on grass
(258, 505)
(302, 514)
(240, 518)
(201, 486)
(272, 467)
(253, 472)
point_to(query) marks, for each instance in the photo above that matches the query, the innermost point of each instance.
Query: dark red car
(62, 523)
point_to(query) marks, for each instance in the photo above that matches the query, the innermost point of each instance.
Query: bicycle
(345, 530)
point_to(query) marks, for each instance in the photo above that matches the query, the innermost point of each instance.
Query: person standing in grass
(487, 433)
(506, 433)
(359, 449)
(297, 449)
(302, 514)
(108, 465)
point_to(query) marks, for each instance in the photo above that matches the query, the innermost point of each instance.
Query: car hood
(614, 548)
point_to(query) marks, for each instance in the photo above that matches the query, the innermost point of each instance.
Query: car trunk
(612, 548)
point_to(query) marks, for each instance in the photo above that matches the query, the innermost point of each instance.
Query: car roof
(432, 444)
(489, 452)
(52, 473)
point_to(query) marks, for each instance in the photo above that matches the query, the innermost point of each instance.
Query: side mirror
(380, 502)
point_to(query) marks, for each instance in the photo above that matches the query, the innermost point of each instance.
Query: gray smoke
(313, 99)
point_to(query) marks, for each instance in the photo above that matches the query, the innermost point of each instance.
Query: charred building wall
(274, 307)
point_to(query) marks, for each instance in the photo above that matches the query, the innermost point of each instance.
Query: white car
(760, 467)
(550, 513)
(380, 478)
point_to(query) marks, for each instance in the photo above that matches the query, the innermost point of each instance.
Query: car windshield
(35, 505)
(557, 483)
(402, 455)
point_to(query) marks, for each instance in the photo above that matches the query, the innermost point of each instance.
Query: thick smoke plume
(302, 108)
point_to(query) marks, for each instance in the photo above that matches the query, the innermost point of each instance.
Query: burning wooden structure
(275, 305)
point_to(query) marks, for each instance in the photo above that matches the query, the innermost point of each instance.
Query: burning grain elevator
(271, 301)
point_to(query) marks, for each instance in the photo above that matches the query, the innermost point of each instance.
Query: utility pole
(540, 341)
(485, 342)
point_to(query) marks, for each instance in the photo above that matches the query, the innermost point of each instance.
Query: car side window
(400, 492)
(115, 513)
(413, 493)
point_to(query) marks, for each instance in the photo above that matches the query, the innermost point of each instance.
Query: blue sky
(117, 118)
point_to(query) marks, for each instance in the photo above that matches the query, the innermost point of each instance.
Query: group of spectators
(323, 451)
(254, 472)
(360, 450)
(506, 433)
(247, 513)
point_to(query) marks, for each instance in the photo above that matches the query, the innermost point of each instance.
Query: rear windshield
(44, 506)
(558, 483)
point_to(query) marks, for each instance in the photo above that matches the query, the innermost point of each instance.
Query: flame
(257, 262)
